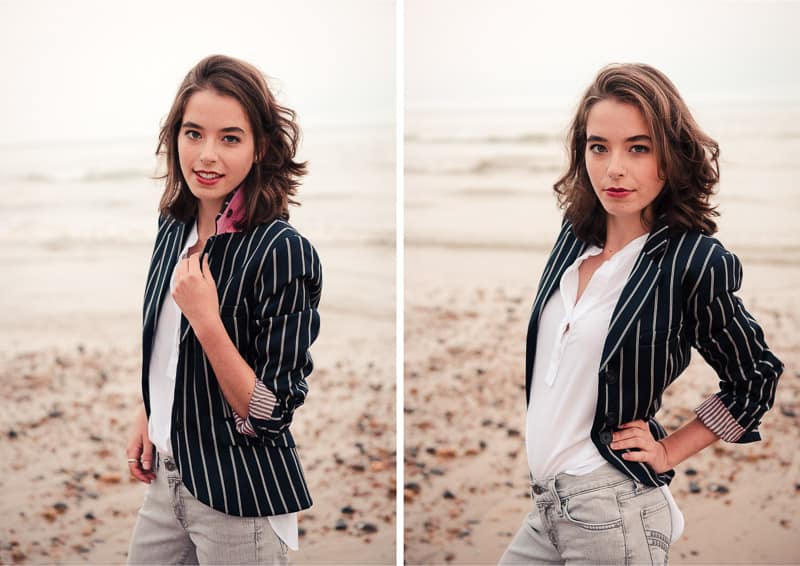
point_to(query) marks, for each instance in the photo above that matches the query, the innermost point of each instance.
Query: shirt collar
(232, 210)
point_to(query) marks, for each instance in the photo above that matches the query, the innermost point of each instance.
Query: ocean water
(86, 194)
(482, 179)
(79, 221)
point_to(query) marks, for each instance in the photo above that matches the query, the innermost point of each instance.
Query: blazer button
(611, 378)
(605, 437)
(229, 213)
(611, 419)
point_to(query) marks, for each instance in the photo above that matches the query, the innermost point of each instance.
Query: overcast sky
(90, 69)
(465, 53)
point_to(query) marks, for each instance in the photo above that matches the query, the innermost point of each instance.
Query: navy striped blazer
(269, 284)
(679, 295)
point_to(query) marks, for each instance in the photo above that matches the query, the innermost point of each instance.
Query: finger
(635, 424)
(205, 265)
(640, 443)
(141, 450)
(196, 265)
(640, 456)
(136, 471)
(631, 433)
(147, 454)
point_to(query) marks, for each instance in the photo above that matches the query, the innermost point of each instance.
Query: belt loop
(158, 460)
(557, 503)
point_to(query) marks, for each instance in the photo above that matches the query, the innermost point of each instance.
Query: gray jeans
(175, 528)
(603, 517)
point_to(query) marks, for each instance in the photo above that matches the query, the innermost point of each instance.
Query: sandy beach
(478, 231)
(70, 362)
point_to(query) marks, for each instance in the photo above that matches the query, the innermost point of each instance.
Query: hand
(141, 449)
(636, 434)
(195, 291)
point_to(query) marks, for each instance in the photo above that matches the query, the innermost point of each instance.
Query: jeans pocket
(657, 525)
(594, 510)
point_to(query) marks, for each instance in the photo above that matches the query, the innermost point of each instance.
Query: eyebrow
(199, 127)
(640, 137)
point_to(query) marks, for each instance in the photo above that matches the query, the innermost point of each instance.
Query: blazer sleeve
(286, 323)
(733, 344)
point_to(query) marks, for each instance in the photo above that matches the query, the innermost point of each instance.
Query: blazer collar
(656, 243)
(233, 210)
(654, 247)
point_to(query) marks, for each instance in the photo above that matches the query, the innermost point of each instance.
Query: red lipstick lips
(617, 192)
(212, 180)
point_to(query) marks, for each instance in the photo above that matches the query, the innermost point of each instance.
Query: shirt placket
(567, 289)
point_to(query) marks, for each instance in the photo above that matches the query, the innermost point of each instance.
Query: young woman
(634, 281)
(230, 311)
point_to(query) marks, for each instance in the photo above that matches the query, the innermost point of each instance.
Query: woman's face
(215, 146)
(621, 160)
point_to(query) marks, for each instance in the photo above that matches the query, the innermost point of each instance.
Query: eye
(597, 148)
(192, 134)
(231, 139)
(640, 149)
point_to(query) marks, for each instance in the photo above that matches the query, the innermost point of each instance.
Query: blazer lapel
(567, 248)
(233, 209)
(160, 276)
(637, 290)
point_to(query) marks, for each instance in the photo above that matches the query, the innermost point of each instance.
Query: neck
(206, 213)
(620, 231)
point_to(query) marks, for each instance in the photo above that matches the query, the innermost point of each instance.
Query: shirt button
(605, 437)
(169, 464)
(538, 490)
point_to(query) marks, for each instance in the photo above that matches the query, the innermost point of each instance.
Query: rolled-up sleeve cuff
(715, 415)
(262, 403)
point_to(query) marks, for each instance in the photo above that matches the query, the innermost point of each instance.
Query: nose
(208, 153)
(616, 165)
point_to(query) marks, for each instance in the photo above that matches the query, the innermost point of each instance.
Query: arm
(263, 390)
(235, 377)
(286, 323)
(733, 344)
(196, 294)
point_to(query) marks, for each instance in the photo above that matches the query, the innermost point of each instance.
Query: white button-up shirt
(569, 347)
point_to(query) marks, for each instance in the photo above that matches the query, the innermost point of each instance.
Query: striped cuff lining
(715, 415)
(261, 406)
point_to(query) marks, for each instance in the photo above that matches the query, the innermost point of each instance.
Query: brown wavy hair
(688, 159)
(273, 179)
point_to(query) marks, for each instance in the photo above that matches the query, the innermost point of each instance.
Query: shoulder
(286, 253)
(697, 250)
(165, 221)
(278, 234)
(702, 258)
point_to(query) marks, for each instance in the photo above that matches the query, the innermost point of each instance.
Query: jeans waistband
(563, 484)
